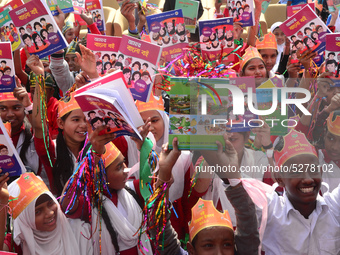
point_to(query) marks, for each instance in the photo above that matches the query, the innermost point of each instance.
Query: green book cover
(190, 10)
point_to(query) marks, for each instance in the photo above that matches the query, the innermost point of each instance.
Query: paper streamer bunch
(89, 181)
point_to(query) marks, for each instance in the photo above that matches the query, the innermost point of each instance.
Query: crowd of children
(83, 189)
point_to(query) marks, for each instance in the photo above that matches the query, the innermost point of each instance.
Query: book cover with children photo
(216, 38)
(7, 74)
(65, 5)
(95, 7)
(105, 48)
(242, 11)
(9, 159)
(306, 30)
(291, 10)
(138, 60)
(189, 9)
(332, 56)
(167, 30)
(38, 29)
(8, 32)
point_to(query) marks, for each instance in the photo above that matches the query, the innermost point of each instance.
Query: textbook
(9, 158)
(7, 71)
(291, 10)
(105, 48)
(216, 38)
(95, 7)
(306, 30)
(190, 10)
(78, 6)
(202, 109)
(11, 5)
(38, 29)
(65, 5)
(264, 6)
(167, 30)
(138, 60)
(242, 11)
(333, 57)
(9, 33)
(108, 101)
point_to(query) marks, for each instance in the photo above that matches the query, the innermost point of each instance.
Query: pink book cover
(332, 56)
(138, 60)
(306, 30)
(291, 10)
(7, 253)
(11, 5)
(96, 9)
(78, 6)
(105, 49)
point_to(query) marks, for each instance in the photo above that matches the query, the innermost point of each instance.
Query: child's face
(212, 241)
(269, 57)
(74, 127)
(331, 57)
(332, 146)
(8, 72)
(145, 78)
(50, 30)
(13, 112)
(92, 115)
(99, 68)
(280, 36)
(46, 216)
(157, 123)
(302, 187)
(127, 76)
(4, 151)
(97, 124)
(330, 67)
(106, 59)
(115, 175)
(111, 124)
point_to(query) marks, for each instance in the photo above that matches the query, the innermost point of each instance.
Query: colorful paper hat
(71, 48)
(66, 105)
(268, 42)
(68, 25)
(205, 215)
(333, 126)
(7, 96)
(295, 143)
(153, 104)
(111, 153)
(250, 53)
(23, 191)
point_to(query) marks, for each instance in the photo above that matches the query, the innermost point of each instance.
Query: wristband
(29, 108)
(270, 153)
(268, 146)
(135, 31)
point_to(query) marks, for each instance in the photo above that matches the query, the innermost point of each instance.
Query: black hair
(82, 42)
(88, 114)
(137, 63)
(42, 19)
(126, 70)
(21, 28)
(41, 33)
(137, 72)
(106, 64)
(36, 24)
(238, 11)
(48, 26)
(94, 120)
(312, 35)
(119, 64)
(212, 44)
(292, 37)
(307, 28)
(106, 55)
(3, 61)
(121, 55)
(331, 53)
(159, 33)
(27, 141)
(165, 42)
(64, 165)
(25, 36)
(173, 28)
(34, 36)
(146, 64)
(312, 23)
(331, 61)
(308, 38)
(114, 54)
(180, 33)
(220, 38)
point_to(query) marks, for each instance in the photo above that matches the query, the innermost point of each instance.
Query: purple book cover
(167, 30)
(38, 28)
(138, 60)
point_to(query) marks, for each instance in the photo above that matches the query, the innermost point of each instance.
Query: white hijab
(180, 168)
(126, 220)
(280, 47)
(34, 242)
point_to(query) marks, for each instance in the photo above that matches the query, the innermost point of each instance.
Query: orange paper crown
(8, 96)
(30, 187)
(268, 42)
(153, 104)
(205, 215)
(333, 126)
(295, 143)
(110, 154)
(67, 104)
(251, 53)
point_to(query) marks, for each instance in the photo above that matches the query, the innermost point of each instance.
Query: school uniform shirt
(288, 232)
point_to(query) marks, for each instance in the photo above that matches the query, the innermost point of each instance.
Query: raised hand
(34, 63)
(143, 131)
(168, 159)
(98, 140)
(21, 94)
(87, 61)
(86, 16)
(60, 18)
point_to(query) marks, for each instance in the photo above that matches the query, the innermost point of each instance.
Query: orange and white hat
(66, 105)
(295, 143)
(268, 42)
(250, 53)
(154, 103)
(23, 191)
(7, 96)
(111, 153)
(333, 124)
(205, 215)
